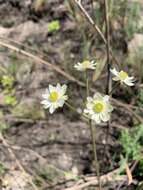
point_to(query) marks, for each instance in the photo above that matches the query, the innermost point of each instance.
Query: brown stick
(96, 28)
(40, 60)
(107, 178)
(109, 79)
(68, 76)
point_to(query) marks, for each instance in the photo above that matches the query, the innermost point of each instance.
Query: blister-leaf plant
(7, 82)
(53, 26)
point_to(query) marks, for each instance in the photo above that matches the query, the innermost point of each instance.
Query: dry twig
(96, 28)
(39, 60)
(105, 179)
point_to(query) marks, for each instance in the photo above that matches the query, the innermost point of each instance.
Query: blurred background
(40, 41)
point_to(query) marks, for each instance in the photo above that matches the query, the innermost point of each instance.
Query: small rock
(135, 43)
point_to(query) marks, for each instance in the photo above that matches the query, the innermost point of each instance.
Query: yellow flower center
(98, 107)
(53, 96)
(86, 64)
(123, 75)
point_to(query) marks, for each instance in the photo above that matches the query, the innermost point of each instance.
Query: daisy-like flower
(54, 97)
(98, 108)
(83, 66)
(123, 77)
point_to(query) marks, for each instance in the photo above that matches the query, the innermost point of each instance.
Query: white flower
(98, 108)
(82, 66)
(54, 97)
(123, 77)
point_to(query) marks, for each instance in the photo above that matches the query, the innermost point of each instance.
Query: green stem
(114, 88)
(87, 83)
(93, 137)
(73, 109)
(94, 149)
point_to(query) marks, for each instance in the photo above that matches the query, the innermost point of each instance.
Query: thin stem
(96, 28)
(87, 83)
(92, 6)
(114, 88)
(73, 109)
(109, 79)
(93, 137)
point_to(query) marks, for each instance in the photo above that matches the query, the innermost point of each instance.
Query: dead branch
(96, 28)
(39, 60)
(105, 179)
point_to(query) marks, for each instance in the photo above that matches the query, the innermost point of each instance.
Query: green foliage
(133, 17)
(128, 14)
(3, 124)
(140, 169)
(28, 110)
(7, 81)
(131, 143)
(50, 173)
(15, 64)
(71, 9)
(2, 169)
(135, 59)
(53, 26)
(10, 100)
(132, 146)
(140, 97)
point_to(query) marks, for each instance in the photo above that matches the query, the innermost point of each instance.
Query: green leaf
(7, 81)
(99, 69)
(53, 26)
(10, 100)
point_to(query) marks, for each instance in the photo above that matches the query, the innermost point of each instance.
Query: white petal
(78, 66)
(105, 117)
(110, 108)
(46, 102)
(106, 98)
(52, 88)
(45, 96)
(65, 97)
(52, 109)
(89, 106)
(64, 89)
(116, 78)
(129, 83)
(46, 106)
(86, 111)
(93, 62)
(96, 118)
(89, 99)
(97, 96)
(58, 86)
(129, 80)
(114, 72)
(61, 102)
